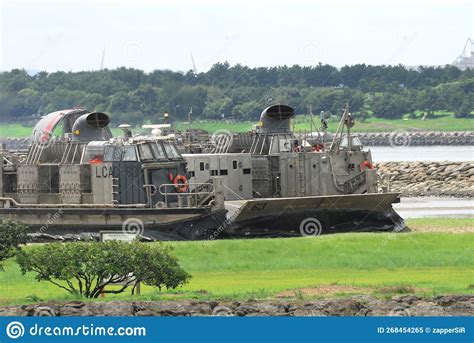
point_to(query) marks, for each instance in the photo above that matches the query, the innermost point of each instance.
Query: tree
(390, 106)
(86, 268)
(247, 111)
(134, 96)
(12, 235)
(464, 110)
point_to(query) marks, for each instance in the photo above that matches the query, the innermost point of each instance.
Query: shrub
(12, 235)
(86, 268)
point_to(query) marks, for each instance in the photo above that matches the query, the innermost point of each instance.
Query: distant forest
(240, 92)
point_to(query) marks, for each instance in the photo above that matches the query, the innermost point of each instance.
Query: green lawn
(381, 264)
(14, 130)
(441, 122)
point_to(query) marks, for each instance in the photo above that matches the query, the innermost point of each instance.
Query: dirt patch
(322, 291)
(427, 228)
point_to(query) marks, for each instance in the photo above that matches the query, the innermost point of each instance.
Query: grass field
(15, 130)
(441, 122)
(379, 264)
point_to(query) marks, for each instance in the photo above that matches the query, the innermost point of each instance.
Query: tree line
(240, 92)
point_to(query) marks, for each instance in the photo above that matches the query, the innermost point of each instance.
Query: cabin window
(171, 151)
(223, 171)
(158, 151)
(109, 154)
(234, 164)
(129, 154)
(201, 166)
(247, 171)
(9, 183)
(113, 154)
(191, 174)
(145, 152)
(213, 172)
(117, 154)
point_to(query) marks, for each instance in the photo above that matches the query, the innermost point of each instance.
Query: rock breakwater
(360, 305)
(448, 179)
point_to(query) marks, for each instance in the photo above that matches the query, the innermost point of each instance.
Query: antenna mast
(102, 60)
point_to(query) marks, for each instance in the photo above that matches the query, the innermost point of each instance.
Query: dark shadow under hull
(318, 222)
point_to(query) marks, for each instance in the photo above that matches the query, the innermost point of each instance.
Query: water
(435, 207)
(422, 153)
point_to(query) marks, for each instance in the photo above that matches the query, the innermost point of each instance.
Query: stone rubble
(446, 179)
(392, 138)
(400, 138)
(357, 305)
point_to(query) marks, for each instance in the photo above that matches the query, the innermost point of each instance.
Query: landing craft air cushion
(77, 177)
(277, 183)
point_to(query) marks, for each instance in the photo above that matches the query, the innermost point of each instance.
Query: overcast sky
(72, 35)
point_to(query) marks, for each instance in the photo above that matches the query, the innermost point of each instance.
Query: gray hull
(307, 216)
(272, 217)
(156, 224)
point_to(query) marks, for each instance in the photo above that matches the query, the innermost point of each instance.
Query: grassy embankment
(380, 264)
(441, 122)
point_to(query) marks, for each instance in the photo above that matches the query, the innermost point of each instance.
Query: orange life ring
(366, 164)
(183, 186)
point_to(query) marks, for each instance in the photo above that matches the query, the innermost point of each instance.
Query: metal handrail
(189, 186)
(385, 182)
(189, 196)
